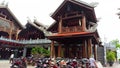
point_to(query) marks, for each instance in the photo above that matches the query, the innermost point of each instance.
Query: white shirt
(92, 61)
(12, 55)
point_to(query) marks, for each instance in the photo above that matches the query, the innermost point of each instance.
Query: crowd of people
(64, 63)
(59, 62)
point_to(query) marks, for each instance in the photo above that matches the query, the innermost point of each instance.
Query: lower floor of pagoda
(73, 50)
(5, 52)
(69, 51)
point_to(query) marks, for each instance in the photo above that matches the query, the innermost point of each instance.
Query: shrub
(110, 56)
(40, 52)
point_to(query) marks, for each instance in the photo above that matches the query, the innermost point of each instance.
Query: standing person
(92, 62)
(11, 58)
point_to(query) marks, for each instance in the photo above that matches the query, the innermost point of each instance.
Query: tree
(110, 57)
(116, 43)
(40, 52)
(117, 46)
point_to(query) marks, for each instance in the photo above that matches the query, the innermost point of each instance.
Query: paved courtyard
(115, 65)
(6, 64)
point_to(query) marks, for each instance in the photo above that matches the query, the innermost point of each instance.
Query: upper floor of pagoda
(9, 24)
(74, 16)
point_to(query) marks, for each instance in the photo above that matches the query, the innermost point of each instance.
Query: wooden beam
(70, 17)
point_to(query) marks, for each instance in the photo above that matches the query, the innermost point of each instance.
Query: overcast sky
(108, 26)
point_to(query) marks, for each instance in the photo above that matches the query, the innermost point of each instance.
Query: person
(11, 58)
(92, 62)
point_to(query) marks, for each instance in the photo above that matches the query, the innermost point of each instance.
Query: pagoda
(74, 32)
(9, 30)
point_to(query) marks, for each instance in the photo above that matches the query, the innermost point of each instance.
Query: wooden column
(10, 34)
(60, 25)
(16, 37)
(83, 23)
(18, 31)
(95, 51)
(52, 49)
(84, 48)
(59, 50)
(89, 48)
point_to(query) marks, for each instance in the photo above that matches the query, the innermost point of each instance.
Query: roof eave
(6, 7)
(15, 18)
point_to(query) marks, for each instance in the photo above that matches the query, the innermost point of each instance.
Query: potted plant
(110, 57)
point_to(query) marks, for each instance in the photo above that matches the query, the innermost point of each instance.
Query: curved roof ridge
(85, 3)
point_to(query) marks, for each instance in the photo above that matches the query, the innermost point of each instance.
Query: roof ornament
(93, 28)
(94, 4)
(7, 4)
(35, 19)
(98, 19)
(4, 3)
(28, 19)
(118, 13)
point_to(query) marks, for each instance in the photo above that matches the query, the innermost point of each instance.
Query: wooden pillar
(10, 34)
(11, 30)
(83, 23)
(16, 37)
(18, 31)
(84, 48)
(59, 51)
(52, 50)
(95, 51)
(60, 25)
(89, 48)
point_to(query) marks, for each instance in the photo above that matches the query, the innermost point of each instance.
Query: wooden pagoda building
(74, 30)
(13, 36)
(9, 30)
(33, 31)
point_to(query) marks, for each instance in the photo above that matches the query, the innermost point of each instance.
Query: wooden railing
(71, 29)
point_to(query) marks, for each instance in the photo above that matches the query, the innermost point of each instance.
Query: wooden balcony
(7, 30)
(71, 29)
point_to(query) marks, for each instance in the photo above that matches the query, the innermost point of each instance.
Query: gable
(75, 5)
(31, 32)
(7, 15)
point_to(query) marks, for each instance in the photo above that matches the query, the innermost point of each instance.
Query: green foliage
(116, 43)
(110, 56)
(40, 51)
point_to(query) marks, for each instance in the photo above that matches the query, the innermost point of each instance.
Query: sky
(106, 11)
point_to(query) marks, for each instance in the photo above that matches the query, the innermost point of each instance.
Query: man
(11, 58)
